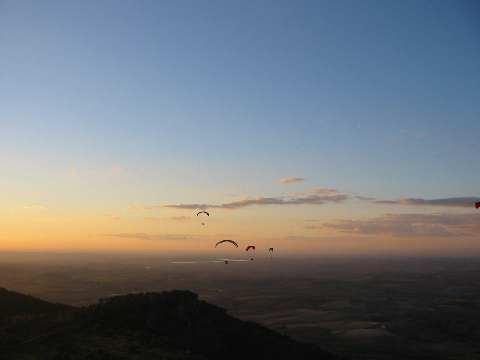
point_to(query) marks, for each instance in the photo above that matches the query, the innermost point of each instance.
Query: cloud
(186, 206)
(420, 135)
(321, 197)
(322, 238)
(294, 193)
(300, 238)
(409, 225)
(138, 208)
(386, 202)
(144, 236)
(204, 193)
(290, 180)
(464, 201)
(154, 219)
(176, 218)
(324, 191)
(307, 199)
(249, 201)
(117, 170)
(179, 217)
(110, 217)
(364, 198)
(33, 207)
(73, 172)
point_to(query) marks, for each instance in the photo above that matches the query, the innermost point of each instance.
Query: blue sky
(115, 104)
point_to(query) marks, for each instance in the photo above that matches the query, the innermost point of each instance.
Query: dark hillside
(167, 325)
(13, 303)
(198, 326)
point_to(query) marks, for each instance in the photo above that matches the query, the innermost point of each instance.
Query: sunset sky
(307, 126)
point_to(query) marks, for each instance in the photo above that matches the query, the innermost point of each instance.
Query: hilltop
(166, 325)
(13, 304)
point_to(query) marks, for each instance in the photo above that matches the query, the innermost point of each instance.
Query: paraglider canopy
(271, 249)
(203, 212)
(250, 247)
(454, 289)
(231, 241)
(477, 204)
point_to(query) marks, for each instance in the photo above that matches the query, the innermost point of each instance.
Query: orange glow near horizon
(328, 245)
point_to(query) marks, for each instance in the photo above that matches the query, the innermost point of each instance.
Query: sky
(319, 127)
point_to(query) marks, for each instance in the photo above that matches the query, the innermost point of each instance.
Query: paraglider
(203, 212)
(271, 249)
(231, 241)
(454, 289)
(226, 262)
(477, 204)
(250, 247)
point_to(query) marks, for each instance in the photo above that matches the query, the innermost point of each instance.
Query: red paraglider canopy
(250, 247)
(477, 204)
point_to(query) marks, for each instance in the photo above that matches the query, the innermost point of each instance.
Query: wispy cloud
(116, 170)
(33, 207)
(175, 217)
(259, 201)
(386, 202)
(186, 206)
(364, 198)
(324, 191)
(307, 199)
(420, 135)
(73, 172)
(322, 238)
(290, 180)
(154, 219)
(110, 217)
(138, 208)
(464, 201)
(144, 236)
(316, 197)
(208, 194)
(179, 217)
(409, 225)
(225, 235)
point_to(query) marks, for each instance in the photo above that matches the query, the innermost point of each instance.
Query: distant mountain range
(167, 325)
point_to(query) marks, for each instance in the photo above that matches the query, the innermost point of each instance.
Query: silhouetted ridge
(13, 303)
(168, 325)
(200, 327)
